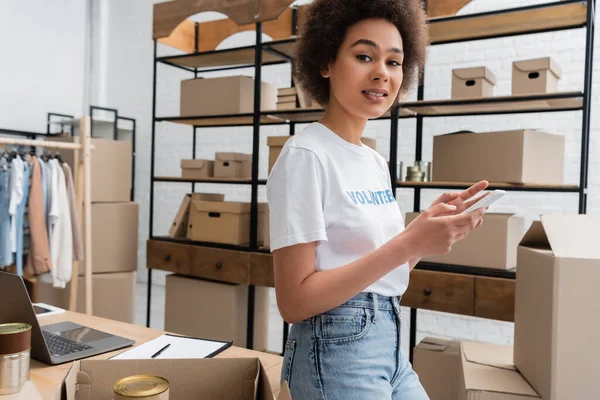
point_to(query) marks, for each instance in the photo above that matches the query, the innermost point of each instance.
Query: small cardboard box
(275, 144)
(504, 156)
(225, 95)
(472, 83)
(288, 105)
(535, 76)
(119, 307)
(111, 168)
(179, 226)
(436, 361)
(224, 222)
(487, 373)
(493, 245)
(197, 169)
(206, 378)
(233, 165)
(557, 329)
(227, 316)
(372, 143)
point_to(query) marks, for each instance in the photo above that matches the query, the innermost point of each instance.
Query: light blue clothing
(20, 219)
(351, 352)
(6, 255)
(44, 184)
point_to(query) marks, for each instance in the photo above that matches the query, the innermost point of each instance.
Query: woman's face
(366, 75)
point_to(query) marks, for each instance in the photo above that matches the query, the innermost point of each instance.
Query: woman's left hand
(462, 200)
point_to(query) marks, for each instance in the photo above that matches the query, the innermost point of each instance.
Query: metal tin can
(425, 167)
(15, 349)
(148, 387)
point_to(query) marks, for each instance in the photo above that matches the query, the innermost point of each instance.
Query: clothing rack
(82, 198)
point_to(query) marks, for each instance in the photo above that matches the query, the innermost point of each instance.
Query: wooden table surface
(48, 379)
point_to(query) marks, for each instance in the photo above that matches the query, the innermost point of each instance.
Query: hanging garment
(77, 239)
(26, 228)
(43, 173)
(6, 255)
(16, 196)
(47, 187)
(61, 243)
(20, 214)
(39, 261)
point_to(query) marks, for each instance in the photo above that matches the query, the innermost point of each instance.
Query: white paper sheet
(181, 347)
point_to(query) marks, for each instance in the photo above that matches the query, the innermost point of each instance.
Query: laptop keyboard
(60, 346)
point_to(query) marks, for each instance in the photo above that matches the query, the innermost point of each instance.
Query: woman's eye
(394, 63)
(363, 57)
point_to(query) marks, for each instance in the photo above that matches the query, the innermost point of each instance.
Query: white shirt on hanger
(16, 196)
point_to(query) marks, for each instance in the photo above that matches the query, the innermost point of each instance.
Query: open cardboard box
(436, 361)
(207, 378)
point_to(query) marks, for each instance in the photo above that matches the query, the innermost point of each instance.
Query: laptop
(57, 343)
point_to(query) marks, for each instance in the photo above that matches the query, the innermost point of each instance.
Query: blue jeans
(20, 220)
(351, 352)
(6, 257)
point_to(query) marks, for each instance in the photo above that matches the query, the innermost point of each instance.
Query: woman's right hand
(436, 230)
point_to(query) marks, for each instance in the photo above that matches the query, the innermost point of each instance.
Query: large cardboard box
(275, 144)
(197, 169)
(208, 378)
(472, 83)
(233, 165)
(487, 372)
(111, 168)
(179, 226)
(436, 361)
(113, 295)
(224, 222)
(225, 95)
(535, 76)
(557, 329)
(114, 237)
(217, 311)
(492, 245)
(506, 156)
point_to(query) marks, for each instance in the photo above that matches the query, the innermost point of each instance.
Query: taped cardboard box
(557, 329)
(209, 378)
(472, 83)
(487, 372)
(233, 165)
(504, 156)
(493, 245)
(436, 361)
(535, 76)
(197, 169)
(225, 222)
(219, 312)
(179, 226)
(224, 95)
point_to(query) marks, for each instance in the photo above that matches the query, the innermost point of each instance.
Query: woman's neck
(349, 127)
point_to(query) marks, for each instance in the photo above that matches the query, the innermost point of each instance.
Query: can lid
(140, 386)
(11, 329)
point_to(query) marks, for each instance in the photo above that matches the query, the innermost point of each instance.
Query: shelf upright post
(152, 149)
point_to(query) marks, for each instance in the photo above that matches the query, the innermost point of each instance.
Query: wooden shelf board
(221, 58)
(499, 104)
(205, 180)
(215, 120)
(500, 185)
(509, 22)
(288, 47)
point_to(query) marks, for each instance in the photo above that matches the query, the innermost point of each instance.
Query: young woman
(341, 254)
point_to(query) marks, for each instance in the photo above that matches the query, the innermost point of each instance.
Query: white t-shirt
(323, 188)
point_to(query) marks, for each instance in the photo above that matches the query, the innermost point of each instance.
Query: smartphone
(486, 201)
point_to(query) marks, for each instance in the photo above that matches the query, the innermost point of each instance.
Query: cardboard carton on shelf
(436, 361)
(224, 95)
(493, 245)
(503, 156)
(537, 76)
(233, 165)
(179, 226)
(556, 332)
(472, 83)
(226, 317)
(275, 144)
(225, 222)
(197, 169)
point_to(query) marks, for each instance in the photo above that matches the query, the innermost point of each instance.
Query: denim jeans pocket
(288, 359)
(344, 324)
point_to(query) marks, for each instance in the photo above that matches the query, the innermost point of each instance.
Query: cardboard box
(114, 237)
(220, 310)
(290, 105)
(493, 245)
(224, 222)
(557, 329)
(535, 76)
(111, 168)
(225, 95)
(372, 143)
(472, 83)
(504, 156)
(179, 226)
(487, 373)
(287, 98)
(289, 91)
(233, 165)
(275, 144)
(207, 378)
(113, 295)
(436, 361)
(197, 169)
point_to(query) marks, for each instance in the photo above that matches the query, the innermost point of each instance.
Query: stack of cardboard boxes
(115, 221)
(556, 325)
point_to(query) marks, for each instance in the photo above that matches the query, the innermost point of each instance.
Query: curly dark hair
(324, 29)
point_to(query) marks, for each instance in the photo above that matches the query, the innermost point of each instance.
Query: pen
(160, 351)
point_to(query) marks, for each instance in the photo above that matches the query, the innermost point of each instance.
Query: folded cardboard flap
(228, 157)
(475, 73)
(194, 164)
(435, 344)
(539, 64)
(225, 207)
(493, 355)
